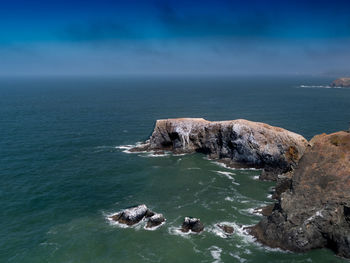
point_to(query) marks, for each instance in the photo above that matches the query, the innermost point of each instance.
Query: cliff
(341, 82)
(238, 142)
(315, 211)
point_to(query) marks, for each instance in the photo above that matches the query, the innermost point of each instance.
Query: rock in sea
(155, 220)
(226, 228)
(193, 224)
(133, 215)
(237, 142)
(314, 212)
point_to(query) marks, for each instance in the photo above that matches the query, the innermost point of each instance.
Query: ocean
(64, 168)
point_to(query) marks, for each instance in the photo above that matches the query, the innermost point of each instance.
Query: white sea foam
(319, 87)
(252, 211)
(231, 168)
(315, 86)
(124, 147)
(215, 253)
(256, 177)
(242, 232)
(228, 175)
(236, 256)
(193, 168)
(216, 230)
(176, 231)
(152, 155)
(127, 147)
(228, 198)
(153, 228)
(179, 154)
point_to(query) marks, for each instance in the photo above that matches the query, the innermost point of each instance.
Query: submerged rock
(132, 215)
(314, 212)
(238, 142)
(341, 82)
(193, 224)
(155, 220)
(226, 228)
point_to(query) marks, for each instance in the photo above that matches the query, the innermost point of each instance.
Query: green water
(63, 173)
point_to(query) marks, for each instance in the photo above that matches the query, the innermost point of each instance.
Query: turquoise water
(62, 173)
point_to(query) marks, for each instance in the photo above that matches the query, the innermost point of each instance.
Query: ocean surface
(64, 169)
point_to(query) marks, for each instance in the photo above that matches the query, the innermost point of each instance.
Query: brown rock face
(315, 212)
(242, 142)
(227, 229)
(341, 82)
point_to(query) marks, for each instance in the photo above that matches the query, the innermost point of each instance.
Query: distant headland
(341, 82)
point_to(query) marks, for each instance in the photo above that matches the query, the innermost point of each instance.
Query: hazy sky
(105, 37)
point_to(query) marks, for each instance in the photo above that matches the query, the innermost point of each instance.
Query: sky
(151, 37)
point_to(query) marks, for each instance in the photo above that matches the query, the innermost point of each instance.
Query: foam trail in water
(152, 155)
(319, 87)
(216, 253)
(228, 175)
(231, 168)
(153, 228)
(127, 147)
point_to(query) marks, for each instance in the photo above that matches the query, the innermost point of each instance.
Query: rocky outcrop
(192, 224)
(314, 212)
(241, 143)
(341, 82)
(134, 215)
(155, 220)
(226, 228)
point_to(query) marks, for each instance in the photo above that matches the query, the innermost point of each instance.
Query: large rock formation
(134, 215)
(341, 82)
(241, 142)
(315, 211)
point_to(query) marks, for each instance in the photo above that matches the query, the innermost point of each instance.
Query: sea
(65, 166)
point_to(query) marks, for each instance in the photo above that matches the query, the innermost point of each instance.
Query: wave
(227, 175)
(152, 155)
(128, 147)
(252, 211)
(216, 253)
(193, 168)
(176, 231)
(234, 169)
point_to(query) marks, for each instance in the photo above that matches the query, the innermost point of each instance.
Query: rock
(193, 224)
(242, 142)
(155, 220)
(284, 183)
(341, 82)
(265, 211)
(132, 215)
(149, 213)
(314, 212)
(227, 229)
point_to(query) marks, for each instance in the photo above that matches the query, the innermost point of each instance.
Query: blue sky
(174, 37)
